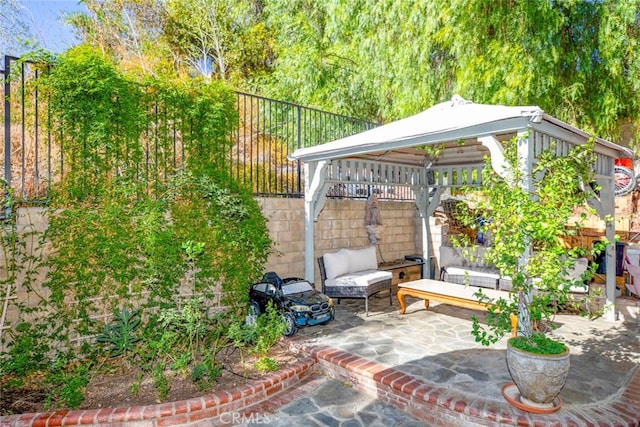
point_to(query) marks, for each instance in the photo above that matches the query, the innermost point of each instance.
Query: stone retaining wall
(340, 225)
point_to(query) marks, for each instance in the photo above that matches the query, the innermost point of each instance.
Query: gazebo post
(314, 198)
(309, 225)
(604, 204)
(610, 287)
(610, 233)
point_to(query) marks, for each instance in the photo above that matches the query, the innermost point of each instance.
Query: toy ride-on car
(300, 303)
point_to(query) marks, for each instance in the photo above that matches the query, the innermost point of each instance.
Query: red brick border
(439, 405)
(434, 404)
(209, 407)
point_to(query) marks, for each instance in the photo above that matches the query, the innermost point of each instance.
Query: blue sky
(45, 17)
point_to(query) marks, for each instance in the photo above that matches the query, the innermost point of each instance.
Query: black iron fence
(267, 131)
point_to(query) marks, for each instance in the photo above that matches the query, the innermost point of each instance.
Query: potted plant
(531, 220)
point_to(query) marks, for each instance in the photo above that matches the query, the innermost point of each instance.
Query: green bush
(27, 352)
(261, 334)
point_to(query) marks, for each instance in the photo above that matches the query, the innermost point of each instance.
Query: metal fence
(267, 131)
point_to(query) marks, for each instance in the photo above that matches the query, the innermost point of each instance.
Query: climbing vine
(146, 220)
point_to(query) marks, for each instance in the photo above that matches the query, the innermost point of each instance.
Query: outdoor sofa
(470, 268)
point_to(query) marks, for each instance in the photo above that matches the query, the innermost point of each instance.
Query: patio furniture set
(355, 273)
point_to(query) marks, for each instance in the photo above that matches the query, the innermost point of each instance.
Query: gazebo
(444, 147)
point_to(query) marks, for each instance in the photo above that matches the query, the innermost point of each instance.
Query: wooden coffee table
(449, 293)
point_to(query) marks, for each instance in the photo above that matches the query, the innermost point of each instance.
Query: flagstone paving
(436, 346)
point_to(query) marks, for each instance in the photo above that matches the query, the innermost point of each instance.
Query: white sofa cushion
(336, 263)
(361, 278)
(362, 259)
(489, 272)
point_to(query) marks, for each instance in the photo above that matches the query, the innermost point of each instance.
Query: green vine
(146, 223)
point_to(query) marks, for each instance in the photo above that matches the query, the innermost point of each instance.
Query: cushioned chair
(353, 273)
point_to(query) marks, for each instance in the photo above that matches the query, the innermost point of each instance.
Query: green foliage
(83, 87)
(187, 326)
(127, 230)
(539, 344)
(529, 217)
(383, 60)
(221, 39)
(160, 381)
(205, 373)
(66, 385)
(577, 60)
(266, 364)
(121, 334)
(261, 334)
(242, 332)
(269, 328)
(185, 341)
(139, 216)
(27, 352)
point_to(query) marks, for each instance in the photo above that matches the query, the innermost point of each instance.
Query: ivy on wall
(147, 223)
(131, 201)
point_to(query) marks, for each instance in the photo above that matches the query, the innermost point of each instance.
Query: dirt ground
(114, 388)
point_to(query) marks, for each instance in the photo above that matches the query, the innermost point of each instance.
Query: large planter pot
(538, 377)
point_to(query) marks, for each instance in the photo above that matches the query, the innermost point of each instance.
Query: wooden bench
(449, 293)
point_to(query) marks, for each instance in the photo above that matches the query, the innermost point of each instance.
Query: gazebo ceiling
(469, 151)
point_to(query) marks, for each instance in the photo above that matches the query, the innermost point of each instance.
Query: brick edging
(207, 407)
(434, 404)
(439, 405)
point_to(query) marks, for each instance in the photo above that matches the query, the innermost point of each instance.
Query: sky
(47, 26)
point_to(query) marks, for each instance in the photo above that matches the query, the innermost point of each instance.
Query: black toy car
(300, 303)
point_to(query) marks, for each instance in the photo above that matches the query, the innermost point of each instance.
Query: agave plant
(120, 335)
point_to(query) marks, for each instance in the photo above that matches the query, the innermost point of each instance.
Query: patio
(427, 363)
(418, 369)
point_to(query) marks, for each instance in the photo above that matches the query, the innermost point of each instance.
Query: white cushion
(336, 263)
(362, 278)
(578, 289)
(477, 271)
(459, 257)
(362, 259)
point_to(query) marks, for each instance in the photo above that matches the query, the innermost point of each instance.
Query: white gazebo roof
(449, 122)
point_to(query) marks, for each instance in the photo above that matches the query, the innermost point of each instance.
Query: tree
(531, 218)
(388, 59)
(216, 37)
(15, 35)
(368, 59)
(385, 60)
(578, 60)
(220, 39)
(128, 30)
